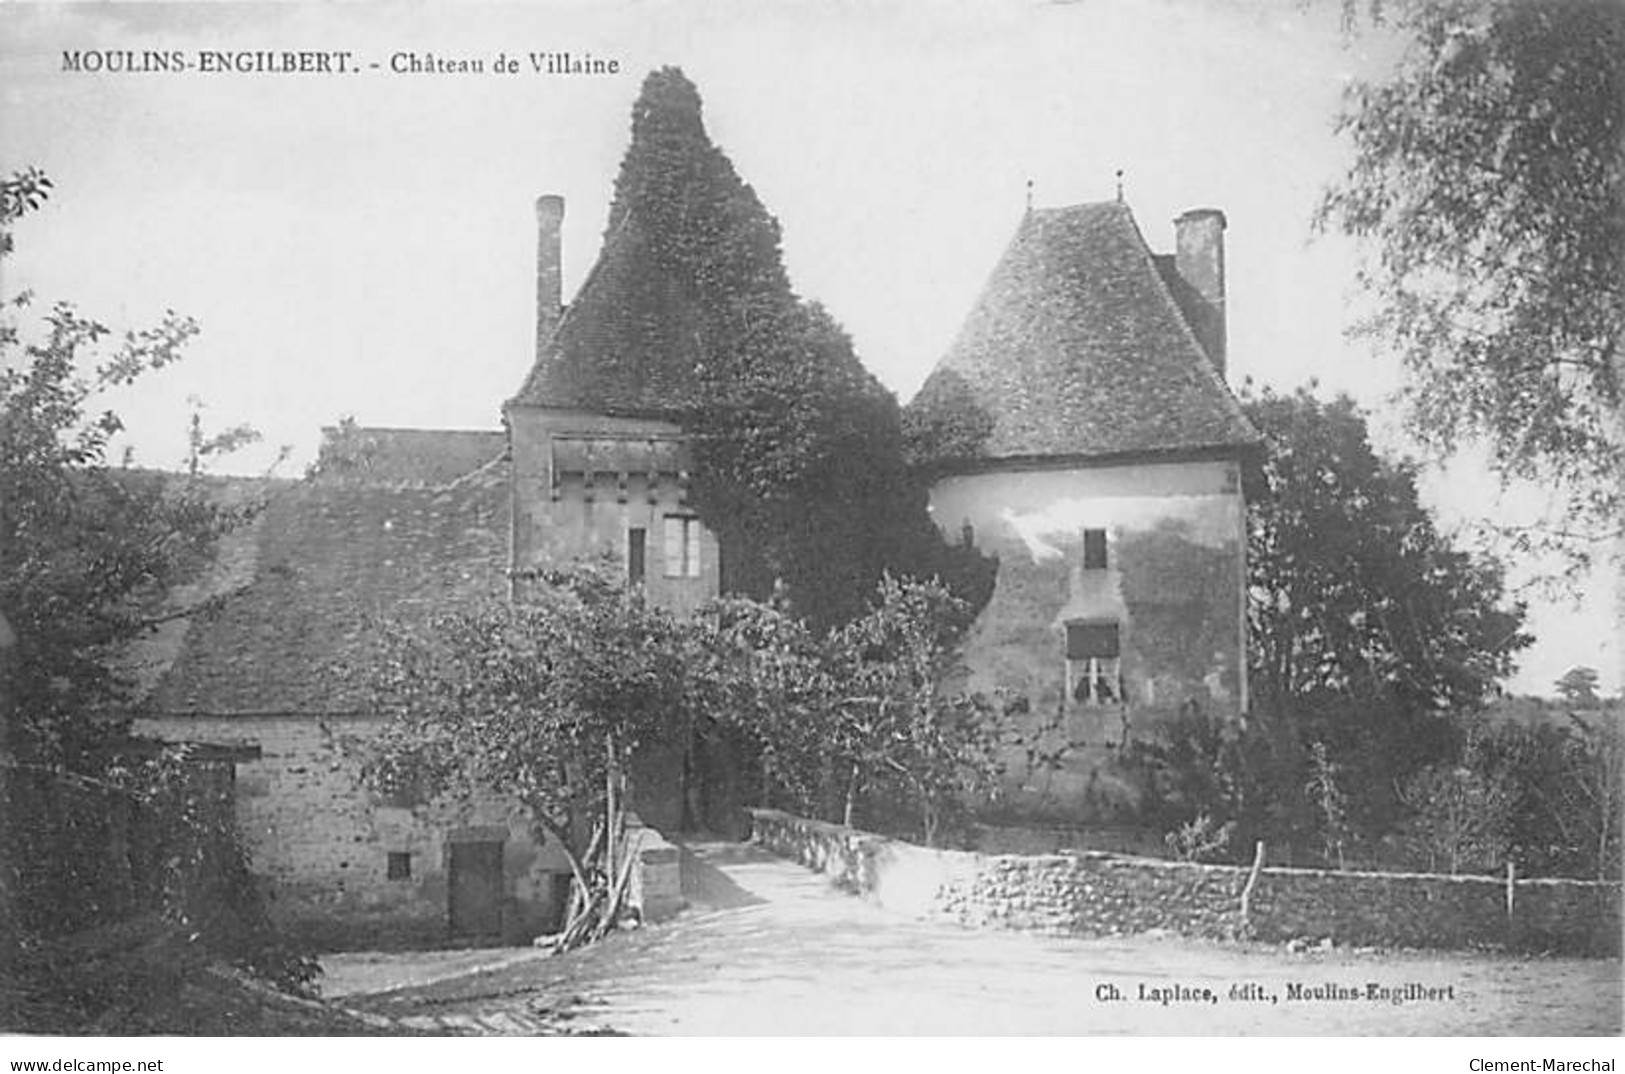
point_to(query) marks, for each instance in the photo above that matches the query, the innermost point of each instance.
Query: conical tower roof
(1077, 349)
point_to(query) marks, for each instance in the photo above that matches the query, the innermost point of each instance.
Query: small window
(636, 555)
(1094, 550)
(682, 547)
(400, 865)
(1093, 664)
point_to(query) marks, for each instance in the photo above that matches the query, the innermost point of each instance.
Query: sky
(364, 243)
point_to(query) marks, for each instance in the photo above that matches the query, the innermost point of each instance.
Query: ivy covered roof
(1076, 348)
(629, 342)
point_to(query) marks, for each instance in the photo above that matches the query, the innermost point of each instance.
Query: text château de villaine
(311, 62)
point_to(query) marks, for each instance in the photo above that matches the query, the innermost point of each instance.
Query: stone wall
(324, 843)
(656, 889)
(1091, 893)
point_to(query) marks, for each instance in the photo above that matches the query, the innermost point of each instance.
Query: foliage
(863, 719)
(201, 445)
(1193, 766)
(345, 451)
(800, 465)
(766, 674)
(947, 424)
(21, 192)
(83, 548)
(1578, 686)
(895, 725)
(547, 701)
(1367, 632)
(86, 555)
(551, 701)
(1241, 779)
(1460, 821)
(1489, 178)
(1366, 627)
(1201, 839)
(1564, 787)
(1330, 801)
(151, 833)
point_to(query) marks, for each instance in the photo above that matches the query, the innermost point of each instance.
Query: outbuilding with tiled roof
(277, 664)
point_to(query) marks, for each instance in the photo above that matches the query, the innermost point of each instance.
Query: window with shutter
(1094, 663)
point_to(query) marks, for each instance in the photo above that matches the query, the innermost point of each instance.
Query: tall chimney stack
(1199, 258)
(549, 275)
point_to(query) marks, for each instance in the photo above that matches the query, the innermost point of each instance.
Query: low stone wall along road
(768, 947)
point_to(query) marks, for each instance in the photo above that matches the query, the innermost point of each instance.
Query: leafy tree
(1563, 785)
(1460, 820)
(550, 702)
(547, 701)
(864, 719)
(108, 827)
(83, 547)
(1366, 627)
(895, 724)
(1489, 179)
(1204, 777)
(1326, 792)
(769, 674)
(1596, 764)
(800, 465)
(1578, 686)
(201, 446)
(1192, 767)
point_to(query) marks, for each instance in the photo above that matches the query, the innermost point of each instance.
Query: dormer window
(1094, 674)
(1094, 550)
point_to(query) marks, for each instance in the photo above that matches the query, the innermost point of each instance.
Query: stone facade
(1079, 430)
(1167, 576)
(1098, 894)
(347, 868)
(597, 488)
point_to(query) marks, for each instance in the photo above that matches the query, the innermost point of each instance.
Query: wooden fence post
(1512, 891)
(1252, 881)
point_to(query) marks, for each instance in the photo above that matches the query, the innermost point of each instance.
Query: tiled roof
(628, 344)
(1077, 348)
(415, 456)
(308, 582)
(228, 567)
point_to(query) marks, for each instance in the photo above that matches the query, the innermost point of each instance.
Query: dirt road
(767, 947)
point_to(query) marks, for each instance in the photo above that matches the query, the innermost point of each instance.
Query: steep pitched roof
(1077, 348)
(301, 589)
(628, 344)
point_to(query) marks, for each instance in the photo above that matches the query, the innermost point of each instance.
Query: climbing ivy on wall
(800, 466)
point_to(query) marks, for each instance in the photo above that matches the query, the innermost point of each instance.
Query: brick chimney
(1199, 259)
(549, 276)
